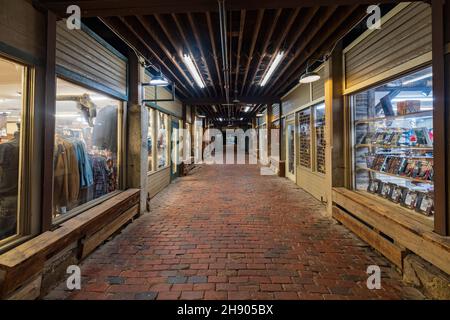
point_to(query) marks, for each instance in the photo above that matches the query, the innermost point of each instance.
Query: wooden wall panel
(157, 181)
(298, 97)
(22, 27)
(313, 183)
(404, 36)
(318, 87)
(81, 53)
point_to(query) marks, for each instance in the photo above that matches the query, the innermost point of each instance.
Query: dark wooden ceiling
(162, 31)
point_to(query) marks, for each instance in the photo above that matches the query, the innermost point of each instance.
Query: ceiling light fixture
(159, 81)
(260, 115)
(201, 116)
(214, 108)
(247, 109)
(309, 77)
(193, 70)
(272, 68)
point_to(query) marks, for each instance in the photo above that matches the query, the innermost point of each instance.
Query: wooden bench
(24, 264)
(390, 228)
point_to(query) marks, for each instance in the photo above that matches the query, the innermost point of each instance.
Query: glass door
(174, 149)
(290, 151)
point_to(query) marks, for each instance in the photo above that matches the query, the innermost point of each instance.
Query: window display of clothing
(101, 174)
(9, 166)
(9, 178)
(8, 216)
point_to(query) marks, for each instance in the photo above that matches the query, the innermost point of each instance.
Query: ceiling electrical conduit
(223, 42)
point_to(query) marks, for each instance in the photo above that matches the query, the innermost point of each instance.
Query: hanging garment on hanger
(101, 174)
(84, 165)
(66, 173)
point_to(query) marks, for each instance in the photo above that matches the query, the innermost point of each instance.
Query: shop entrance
(174, 150)
(290, 150)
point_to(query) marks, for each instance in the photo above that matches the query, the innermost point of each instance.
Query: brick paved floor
(227, 232)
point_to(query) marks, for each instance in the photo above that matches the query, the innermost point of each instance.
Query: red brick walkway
(226, 232)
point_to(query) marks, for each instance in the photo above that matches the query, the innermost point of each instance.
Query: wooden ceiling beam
(264, 49)
(306, 22)
(280, 41)
(200, 48)
(122, 29)
(317, 25)
(310, 48)
(252, 47)
(238, 53)
(107, 8)
(214, 50)
(148, 27)
(325, 47)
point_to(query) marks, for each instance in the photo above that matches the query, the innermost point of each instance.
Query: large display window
(319, 135)
(13, 94)
(86, 153)
(150, 139)
(304, 137)
(393, 141)
(162, 138)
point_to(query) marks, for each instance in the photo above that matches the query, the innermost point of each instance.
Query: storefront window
(162, 122)
(393, 136)
(86, 147)
(320, 145)
(11, 113)
(150, 140)
(304, 125)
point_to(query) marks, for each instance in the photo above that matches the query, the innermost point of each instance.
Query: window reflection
(11, 111)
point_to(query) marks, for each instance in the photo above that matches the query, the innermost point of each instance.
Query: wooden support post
(49, 123)
(137, 131)
(334, 124)
(269, 118)
(282, 129)
(444, 226)
(441, 82)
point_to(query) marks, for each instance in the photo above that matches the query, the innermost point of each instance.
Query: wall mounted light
(193, 70)
(272, 68)
(159, 81)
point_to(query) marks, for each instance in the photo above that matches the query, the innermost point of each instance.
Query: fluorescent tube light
(214, 108)
(260, 115)
(272, 68)
(193, 70)
(410, 98)
(425, 76)
(247, 109)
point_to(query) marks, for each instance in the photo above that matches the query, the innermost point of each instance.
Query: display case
(393, 141)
